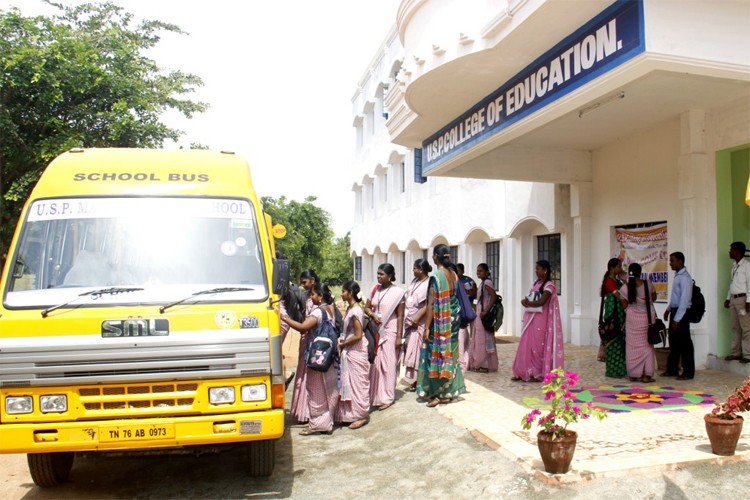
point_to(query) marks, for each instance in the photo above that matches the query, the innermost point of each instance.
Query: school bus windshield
(175, 244)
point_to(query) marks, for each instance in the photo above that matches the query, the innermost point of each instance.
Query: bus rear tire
(50, 469)
(261, 456)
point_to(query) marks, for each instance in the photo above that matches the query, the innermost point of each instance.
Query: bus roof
(145, 172)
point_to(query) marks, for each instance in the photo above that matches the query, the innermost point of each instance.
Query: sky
(279, 77)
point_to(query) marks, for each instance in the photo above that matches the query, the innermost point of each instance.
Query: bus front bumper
(139, 434)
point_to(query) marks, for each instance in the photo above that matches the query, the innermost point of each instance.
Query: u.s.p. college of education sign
(608, 40)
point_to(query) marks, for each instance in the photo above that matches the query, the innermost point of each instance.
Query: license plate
(251, 426)
(136, 432)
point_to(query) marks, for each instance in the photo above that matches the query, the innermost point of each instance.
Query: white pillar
(693, 186)
(583, 320)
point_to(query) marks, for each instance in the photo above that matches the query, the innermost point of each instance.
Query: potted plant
(723, 424)
(556, 443)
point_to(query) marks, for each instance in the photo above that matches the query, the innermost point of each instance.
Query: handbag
(657, 331)
(531, 297)
(608, 330)
(467, 312)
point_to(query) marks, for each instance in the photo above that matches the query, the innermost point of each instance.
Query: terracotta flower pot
(723, 434)
(558, 453)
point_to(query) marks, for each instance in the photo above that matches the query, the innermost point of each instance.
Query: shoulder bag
(657, 330)
(467, 312)
(371, 330)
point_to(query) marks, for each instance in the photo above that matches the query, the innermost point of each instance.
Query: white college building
(516, 130)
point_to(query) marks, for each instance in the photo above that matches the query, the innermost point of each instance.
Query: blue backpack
(323, 348)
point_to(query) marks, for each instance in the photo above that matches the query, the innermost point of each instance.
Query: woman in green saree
(610, 291)
(440, 378)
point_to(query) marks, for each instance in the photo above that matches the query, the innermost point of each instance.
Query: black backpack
(697, 306)
(323, 349)
(295, 300)
(338, 320)
(371, 331)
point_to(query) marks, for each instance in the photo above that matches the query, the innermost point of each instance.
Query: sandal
(634, 379)
(647, 380)
(307, 432)
(385, 406)
(481, 370)
(359, 423)
(433, 403)
(445, 401)
(516, 379)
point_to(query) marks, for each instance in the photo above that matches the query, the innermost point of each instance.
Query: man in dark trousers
(681, 350)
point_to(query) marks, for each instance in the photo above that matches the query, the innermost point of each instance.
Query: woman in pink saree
(354, 390)
(321, 387)
(386, 308)
(414, 319)
(299, 408)
(639, 353)
(482, 352)
(541, 347)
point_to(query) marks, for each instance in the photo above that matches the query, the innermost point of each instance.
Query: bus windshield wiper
(99, 291)
(206, 292)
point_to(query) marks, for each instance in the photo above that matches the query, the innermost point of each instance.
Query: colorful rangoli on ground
(626, 398)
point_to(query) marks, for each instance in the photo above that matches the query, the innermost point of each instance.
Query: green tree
(338, 265)
(309, 241)
(79, 79)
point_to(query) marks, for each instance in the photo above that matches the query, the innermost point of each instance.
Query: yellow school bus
(138, 312)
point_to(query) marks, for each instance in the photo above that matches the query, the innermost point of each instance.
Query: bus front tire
(50, 469)
(261, 456)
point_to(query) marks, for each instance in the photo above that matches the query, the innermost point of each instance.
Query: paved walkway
(643, 440)
(649, 440)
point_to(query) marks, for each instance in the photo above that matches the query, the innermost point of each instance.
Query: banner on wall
(646, 245)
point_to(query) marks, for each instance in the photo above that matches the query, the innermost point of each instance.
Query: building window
(385, 187)
(358, 268)
(454, 254)
(492, 259)
(548, 248)
(418, 177)
(402, 178)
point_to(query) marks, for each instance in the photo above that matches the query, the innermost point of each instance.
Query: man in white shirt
(738, 303)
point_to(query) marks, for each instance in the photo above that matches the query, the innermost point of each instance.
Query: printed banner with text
(648, 247)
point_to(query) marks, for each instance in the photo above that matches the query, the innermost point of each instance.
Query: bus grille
(118, 398)
(89, 360)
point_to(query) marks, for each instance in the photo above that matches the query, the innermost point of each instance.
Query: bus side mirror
(280, 276)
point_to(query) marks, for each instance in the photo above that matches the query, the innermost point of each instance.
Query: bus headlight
(16, 405)
(254, 392)
(55, 403)
(221, 395)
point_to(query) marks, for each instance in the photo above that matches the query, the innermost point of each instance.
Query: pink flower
(572, 378)
(549, 395)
